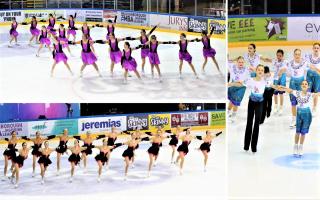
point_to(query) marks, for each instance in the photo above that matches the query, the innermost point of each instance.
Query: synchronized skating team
(58, 39)
(41, 150)
(247, 72)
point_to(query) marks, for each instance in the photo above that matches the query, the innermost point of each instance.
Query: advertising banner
(257, 29)
(218, 118)
(197, 25)
(43, 14)
(53, 127)
(94, 15)
(169, 22)
(109, 14)
(102, 124)
(303, 28)
(156, 120)
(141, 19)
(20, 127)
(194, 119)
(134, 121)
(81, 14)
(175, 120)
(219, 27)
(7, 16)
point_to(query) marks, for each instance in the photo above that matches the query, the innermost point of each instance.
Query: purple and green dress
(183, 52)
(115, 53)
(208, 51)
(127, 61)
(87, 55)
(13, 31)
(58, 54)
(153, 54)
(33, 28)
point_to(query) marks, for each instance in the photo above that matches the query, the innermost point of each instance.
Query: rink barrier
(266, 43)
(173, 23)
(274, 28)
(198, 120)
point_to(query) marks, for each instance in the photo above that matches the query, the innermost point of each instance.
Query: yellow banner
(219, 27)
(156, 120)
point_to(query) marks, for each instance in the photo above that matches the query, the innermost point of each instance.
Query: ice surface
(26, 78)
(165, 181)
(260, 176)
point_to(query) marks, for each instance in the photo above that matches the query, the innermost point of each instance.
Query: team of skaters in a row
(148, 46)
(246, 72)
(41, 151)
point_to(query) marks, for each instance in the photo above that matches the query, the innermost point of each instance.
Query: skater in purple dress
(59, 55)
(62, 37)
(144, 39)
(153, 54)
(86, 30)
(208, 51)
(71, 28)
(128, 62)
(35, 32)
(52, 22)
(115, 52)
(88, 54)
(44, 40)
(184, 55)
(13, 31)
(110, 27)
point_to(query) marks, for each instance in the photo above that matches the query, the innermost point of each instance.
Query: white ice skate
(293, 123)
(280, 111)
(295, 150)
(300, 151)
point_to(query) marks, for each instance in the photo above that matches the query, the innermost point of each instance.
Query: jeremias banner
(257, 29)
(162, 120)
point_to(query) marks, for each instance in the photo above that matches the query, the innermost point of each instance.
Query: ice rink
(273, 172)
(26, 78)
(164, 182)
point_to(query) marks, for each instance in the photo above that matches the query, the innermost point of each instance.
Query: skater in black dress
(102, 157)
(88, 143)
(44, 160)
(174, 141)
(37, 143)
(128, 154)
(10, 153)
(153, 151)
(183, 148)
(205, 146)
(62, 148)
(74, 158)
(112, 137)
(18, 162)
(137, 135)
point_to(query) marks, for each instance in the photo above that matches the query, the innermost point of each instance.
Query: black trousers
(251, 137)
(267, 104)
